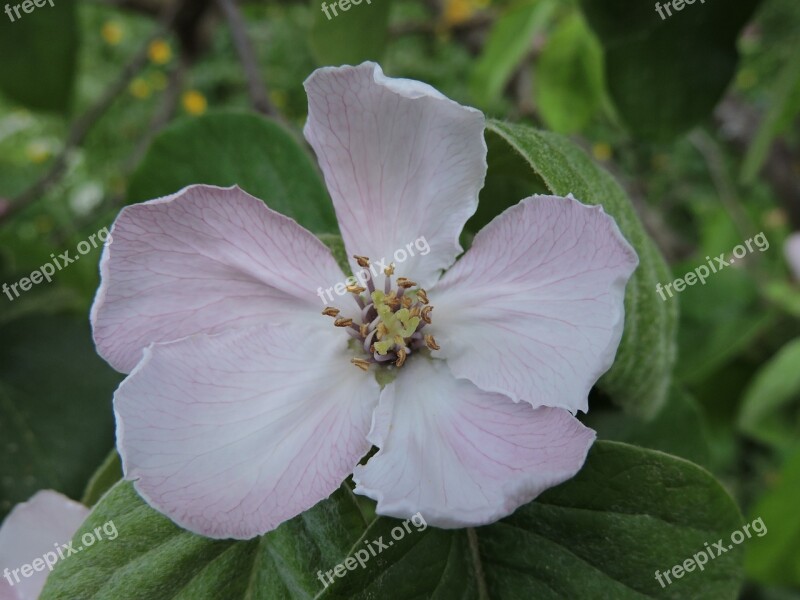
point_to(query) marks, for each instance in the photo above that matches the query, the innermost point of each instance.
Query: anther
(342, 322)
(356, 289)
(425, 315)
(422, 296)
(401, 357)
(431, 343)
(389, 271)
(331, 312)
(361, 363)
(362, 261)
(406, 283)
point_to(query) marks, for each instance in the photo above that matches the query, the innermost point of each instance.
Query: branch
(84, 124)
(244, 48)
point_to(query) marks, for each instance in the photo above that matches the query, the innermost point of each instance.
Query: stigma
(389, 326)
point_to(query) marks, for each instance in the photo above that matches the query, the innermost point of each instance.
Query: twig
(83, 125)
(244, 48)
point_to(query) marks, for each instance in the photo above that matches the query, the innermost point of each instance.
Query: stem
(256, 87)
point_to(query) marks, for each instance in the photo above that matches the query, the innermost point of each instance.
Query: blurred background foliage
(696, 116)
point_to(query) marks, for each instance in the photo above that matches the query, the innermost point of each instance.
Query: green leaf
(764, 408)
(666, 75)
(229, 148)
(39, 55)
(153, 559)
(628, 513)
(569, 77)
(349, 36)
(509, 41)
(56, 421)
(640, 378)
(678, 428)
(775, 557)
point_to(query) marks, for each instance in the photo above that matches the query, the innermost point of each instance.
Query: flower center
(390, 323)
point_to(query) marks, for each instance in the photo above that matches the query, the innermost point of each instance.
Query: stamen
(362, 261)
(389, 321)
(361, 363)
(425, 315)
(405, 283)
(430, 342)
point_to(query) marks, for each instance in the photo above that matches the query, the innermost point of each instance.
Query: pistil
(391, 319)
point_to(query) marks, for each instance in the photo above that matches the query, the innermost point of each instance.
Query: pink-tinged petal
(534, 310)
(460, 456)
(792, 251)
(205, 260)
(402, 163)
(231, 435)
(32, 530)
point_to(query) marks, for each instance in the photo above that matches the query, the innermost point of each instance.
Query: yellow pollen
(355, 289)
(401, 358)
(389, 271)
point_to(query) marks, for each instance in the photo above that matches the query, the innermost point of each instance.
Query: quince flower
(246, 404)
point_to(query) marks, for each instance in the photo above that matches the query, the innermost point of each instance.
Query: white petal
(31, 530)
(534, 310)
(403, 164)
(460, 456)
(231, 435)
(205, 260)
